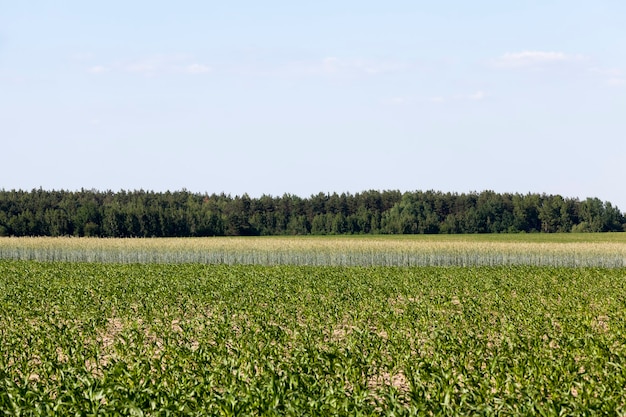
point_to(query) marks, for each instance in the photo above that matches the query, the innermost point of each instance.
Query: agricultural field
(190, 339)
(444, 325)
(564, 249)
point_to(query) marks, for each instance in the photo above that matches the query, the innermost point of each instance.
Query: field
(106, 337)
(572, 250)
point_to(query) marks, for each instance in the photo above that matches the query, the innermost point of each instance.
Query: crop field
(569, 250)
(94, 338)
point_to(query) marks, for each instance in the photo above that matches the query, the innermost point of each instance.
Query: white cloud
(534, 58)
(197, 69)
(612, 76)
(329, 65)
(98, 69)
(617, 81)
(479, 95)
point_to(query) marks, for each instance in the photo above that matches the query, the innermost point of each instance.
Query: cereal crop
(559, 250)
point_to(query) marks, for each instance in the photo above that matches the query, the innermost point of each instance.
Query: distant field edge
(559, 250)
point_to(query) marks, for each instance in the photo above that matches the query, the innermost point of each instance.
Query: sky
(280, 97)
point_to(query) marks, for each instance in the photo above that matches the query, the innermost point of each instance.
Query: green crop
(189, 339)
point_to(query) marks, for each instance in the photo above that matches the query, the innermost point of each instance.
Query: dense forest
(183, 213)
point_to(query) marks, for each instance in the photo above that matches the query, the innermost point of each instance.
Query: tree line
(142, 213)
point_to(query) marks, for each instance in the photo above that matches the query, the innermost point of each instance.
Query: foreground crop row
(151, 339)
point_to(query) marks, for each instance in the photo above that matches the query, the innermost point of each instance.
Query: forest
(183, 213)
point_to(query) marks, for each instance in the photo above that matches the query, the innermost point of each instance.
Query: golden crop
(552, 250)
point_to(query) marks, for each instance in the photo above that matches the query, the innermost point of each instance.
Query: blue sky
(282, 97)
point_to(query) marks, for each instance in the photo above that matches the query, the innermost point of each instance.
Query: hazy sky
(274, 97)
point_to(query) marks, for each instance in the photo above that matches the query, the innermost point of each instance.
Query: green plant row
(189, 339)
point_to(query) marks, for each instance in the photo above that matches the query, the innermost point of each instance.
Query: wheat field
(569, 250)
